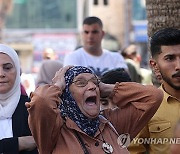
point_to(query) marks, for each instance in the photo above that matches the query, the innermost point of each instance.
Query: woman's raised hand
(59, 79)
(106, 89)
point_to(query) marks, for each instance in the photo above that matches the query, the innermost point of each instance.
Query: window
(43, 14)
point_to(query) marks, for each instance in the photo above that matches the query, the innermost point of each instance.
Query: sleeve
(9, 145)
(136, 147)
(44, 117)
(136, 105)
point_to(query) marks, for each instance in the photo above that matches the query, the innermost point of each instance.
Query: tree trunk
(162, 14)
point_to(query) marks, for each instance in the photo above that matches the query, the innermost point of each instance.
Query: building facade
(34, 25)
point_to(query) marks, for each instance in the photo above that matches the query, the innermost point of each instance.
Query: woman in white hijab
(15, 136)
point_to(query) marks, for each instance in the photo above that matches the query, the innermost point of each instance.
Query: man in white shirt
(91, 54)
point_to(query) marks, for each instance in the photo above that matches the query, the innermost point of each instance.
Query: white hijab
(10, 100)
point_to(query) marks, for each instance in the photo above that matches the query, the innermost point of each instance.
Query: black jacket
(20, 128)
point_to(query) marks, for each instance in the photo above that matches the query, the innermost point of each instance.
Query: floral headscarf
(69, 107)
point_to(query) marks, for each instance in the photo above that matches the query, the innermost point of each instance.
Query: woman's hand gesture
(105, 89)
(59, 79)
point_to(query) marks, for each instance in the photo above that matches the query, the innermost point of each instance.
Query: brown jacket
(137, 104)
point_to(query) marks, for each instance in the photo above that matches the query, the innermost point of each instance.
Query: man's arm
(137, 104)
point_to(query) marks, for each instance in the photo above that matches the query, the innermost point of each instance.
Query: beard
(169, 82)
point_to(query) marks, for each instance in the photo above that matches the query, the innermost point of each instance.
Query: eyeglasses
(83, 82)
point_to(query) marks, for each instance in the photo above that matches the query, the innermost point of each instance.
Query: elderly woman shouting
(65, 116)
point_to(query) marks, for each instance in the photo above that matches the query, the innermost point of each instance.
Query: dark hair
(92, 20)
(128, 50)
(123, 52)
(167, 37)
(115, 75)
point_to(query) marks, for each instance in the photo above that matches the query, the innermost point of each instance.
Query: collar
(167, 97)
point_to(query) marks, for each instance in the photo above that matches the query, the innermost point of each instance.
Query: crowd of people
(96, 101)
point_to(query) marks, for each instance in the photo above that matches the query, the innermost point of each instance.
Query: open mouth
(91, 100)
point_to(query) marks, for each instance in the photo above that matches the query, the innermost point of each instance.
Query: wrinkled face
(92, 36)
(7, 73)
(168, 64)
(87, 97)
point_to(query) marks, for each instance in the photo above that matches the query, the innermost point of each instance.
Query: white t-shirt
(99, 64)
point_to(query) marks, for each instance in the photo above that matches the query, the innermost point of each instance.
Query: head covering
(115, 75)
(9, 100)
(69, 107)
(47, 71)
